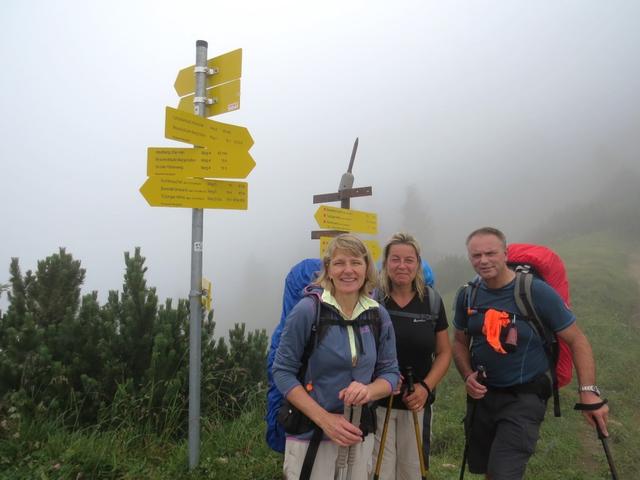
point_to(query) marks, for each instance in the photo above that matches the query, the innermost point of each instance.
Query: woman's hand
(355, 394)
(416, 401)
(340, 430)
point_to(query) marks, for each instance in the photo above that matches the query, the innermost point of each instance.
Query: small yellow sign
(195, 193)
(228, 66)
(372, 245)
(206, 294)
(189, 128)
(199, 162)
(226, 98)
(346, 220)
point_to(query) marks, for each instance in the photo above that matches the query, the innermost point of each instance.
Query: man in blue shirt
(510, 403)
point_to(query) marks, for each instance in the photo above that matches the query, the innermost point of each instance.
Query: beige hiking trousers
(324, 467)
(400, 460)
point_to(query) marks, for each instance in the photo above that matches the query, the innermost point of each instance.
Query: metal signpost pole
(195, 295)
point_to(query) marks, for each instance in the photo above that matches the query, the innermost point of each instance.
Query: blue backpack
(300, 275)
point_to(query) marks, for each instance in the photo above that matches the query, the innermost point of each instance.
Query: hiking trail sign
(171, 191)
(221, 162)
(189, 128)
(220, 99)
(346, 220)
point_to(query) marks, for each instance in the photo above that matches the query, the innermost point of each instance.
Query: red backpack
(535, 260)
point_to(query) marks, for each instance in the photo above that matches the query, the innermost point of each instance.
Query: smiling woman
(424, 353)
(348, 363)
(348, 271)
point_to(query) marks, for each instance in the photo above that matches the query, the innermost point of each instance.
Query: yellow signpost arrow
(206, 294)
(195, 193)
(228, 66)
(372, 245)
(226, 98)
(346, 220)
(199, 162)
(189, 128)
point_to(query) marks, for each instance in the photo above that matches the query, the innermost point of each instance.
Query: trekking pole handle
(410, 383)
(482, 374)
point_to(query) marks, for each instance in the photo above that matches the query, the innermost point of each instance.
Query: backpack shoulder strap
(435, 301)
(524, 301)
(376, 326)
(311, 341)
(470, 295)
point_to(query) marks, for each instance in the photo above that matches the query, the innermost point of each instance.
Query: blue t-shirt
(529, 358)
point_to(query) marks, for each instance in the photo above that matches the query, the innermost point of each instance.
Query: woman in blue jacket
(352, 364)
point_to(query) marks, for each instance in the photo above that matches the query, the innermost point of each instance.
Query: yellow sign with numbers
(199, 162)
(346, 220)
(195, 193)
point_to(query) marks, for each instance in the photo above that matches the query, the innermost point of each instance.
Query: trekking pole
(482, 375)
(607, 452)
(601, 435)
(343, 452)
(383, 439)
(351, 457)
(411, 389)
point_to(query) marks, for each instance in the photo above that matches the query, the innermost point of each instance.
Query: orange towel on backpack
(494, 320)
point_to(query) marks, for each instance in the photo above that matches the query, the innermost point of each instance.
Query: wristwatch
(589, 388)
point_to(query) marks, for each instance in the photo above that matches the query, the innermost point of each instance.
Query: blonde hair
(417, 284)
(355, 247)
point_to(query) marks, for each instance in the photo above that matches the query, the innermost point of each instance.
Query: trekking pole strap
(590, 406)
(310, 456)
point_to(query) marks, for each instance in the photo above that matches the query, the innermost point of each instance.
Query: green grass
(605, 299)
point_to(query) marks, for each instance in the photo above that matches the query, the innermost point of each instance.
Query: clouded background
(468, 113)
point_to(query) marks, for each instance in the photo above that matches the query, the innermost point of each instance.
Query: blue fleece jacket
(330, 365)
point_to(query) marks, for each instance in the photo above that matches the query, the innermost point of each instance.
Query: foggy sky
(495, 112)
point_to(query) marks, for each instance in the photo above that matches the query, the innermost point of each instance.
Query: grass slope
(605, 298)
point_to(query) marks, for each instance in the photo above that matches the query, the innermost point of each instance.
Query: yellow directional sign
(189, 128)
(228, 66)
(347, 220)
(195, 193)
(372, 245)
(226, 98)
(199, 162)
(206, 294)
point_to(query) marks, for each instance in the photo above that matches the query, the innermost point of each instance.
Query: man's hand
(597, 417)
(475, 389)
